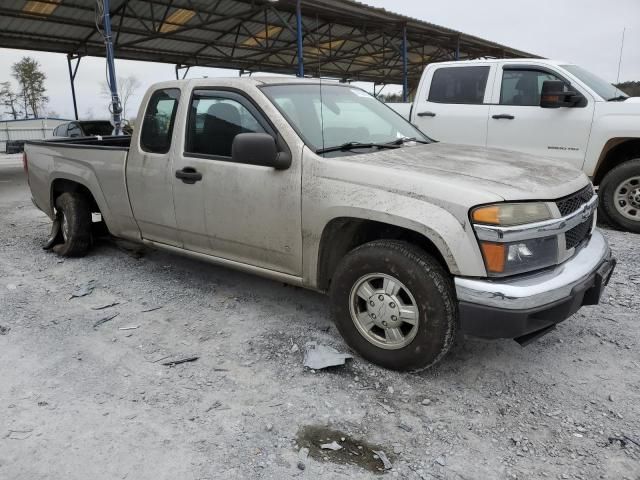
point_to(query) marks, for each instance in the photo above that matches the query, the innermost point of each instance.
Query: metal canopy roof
(341, 38)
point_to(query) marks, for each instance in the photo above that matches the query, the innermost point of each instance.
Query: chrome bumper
(538, 289)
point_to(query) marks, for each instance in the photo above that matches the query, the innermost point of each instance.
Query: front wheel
(395, 305)
(620, 195)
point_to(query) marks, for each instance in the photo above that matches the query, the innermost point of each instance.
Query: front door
(236, 211)
(517, 122)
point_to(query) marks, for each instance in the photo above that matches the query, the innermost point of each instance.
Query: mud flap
(55, 236)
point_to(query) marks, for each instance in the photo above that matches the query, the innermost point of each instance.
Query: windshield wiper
(402, 140)
(351, 145)
(619, 98)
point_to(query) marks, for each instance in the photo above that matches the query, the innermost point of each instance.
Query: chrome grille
(573, 202)
(578, 234)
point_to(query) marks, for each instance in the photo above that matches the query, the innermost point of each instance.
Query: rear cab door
(149, 170)
(452, 102)
(517, 122)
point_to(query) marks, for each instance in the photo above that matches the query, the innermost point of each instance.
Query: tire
(423, 283)
(75, 218)
(620, 196)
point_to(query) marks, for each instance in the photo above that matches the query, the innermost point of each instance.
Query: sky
(585, 32)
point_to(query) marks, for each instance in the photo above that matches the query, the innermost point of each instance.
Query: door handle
(426, 114)
(189, 175)
(504, 116)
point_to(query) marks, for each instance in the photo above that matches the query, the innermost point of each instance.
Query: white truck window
(157, 126)
(464, 85)
(523, 87)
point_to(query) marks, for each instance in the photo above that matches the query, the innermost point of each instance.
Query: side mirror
(553, 95)
(259, 149)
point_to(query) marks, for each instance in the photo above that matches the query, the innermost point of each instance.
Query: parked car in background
(324, 187)
(544, 107)
(87, 128)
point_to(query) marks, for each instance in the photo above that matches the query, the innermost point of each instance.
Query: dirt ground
(79, 401)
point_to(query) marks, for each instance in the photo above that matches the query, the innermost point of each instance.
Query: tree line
(30, 100)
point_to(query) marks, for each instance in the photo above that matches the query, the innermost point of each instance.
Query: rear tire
(620, 196)
(75, 225)
(395, 305)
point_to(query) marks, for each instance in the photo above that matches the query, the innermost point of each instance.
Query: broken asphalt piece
(84, 290)
(108, 305)
(178, 361)
(106, 319)
(383, 457)
(4, 330)
(18, 434)
(318, 357)
(331, 446)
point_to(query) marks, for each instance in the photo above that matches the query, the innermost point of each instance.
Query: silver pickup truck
(322, 186)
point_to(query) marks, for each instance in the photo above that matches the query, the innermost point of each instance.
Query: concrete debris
(318, 357)
(130, 327)
(386, 463)
(442, 461)
(4, 330)
(331, 446)
(84, 290)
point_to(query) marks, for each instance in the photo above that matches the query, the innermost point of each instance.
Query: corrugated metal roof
(342, 38)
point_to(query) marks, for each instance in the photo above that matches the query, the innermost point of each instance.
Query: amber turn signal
(494, 256)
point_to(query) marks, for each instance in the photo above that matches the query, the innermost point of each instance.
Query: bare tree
(9, 100)
(32, 90)
(127, 87)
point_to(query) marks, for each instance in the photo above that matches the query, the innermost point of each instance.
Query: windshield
(337, 115)
(102, 128)
(603, 88)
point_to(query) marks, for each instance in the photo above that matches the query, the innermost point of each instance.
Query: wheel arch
(342, 234)
(615, 152)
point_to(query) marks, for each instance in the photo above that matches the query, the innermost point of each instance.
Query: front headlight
(504, 258)
(511, 214)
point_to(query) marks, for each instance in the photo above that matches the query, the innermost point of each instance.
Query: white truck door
(236, 211)
(149, 171)
(451, 103)
(517, 122)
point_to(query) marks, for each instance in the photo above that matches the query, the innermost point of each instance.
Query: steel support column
(72, 78)
(299, 38)
(405, 66)
(116, 107)
(458, 48)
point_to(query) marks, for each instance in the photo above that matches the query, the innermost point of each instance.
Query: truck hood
(484, 174)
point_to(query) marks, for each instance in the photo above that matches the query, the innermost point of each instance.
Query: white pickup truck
(324, 187)
(547, 108)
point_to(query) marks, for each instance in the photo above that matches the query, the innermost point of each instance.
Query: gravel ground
(79, 401)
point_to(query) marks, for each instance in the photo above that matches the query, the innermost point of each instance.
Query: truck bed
(97, 163)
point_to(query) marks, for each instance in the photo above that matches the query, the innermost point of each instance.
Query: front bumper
(516, 307)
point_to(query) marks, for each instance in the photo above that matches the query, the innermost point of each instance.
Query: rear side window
(157, 126)
(459, 85)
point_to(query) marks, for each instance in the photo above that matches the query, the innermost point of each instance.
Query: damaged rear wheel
(74, 216)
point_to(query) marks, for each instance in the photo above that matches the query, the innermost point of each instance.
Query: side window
(459, 85)
(214, 122)
(157, 126)
(523, 87)
(74, 130)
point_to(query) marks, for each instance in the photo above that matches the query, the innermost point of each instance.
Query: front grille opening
(573, 202)
(578, 234)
